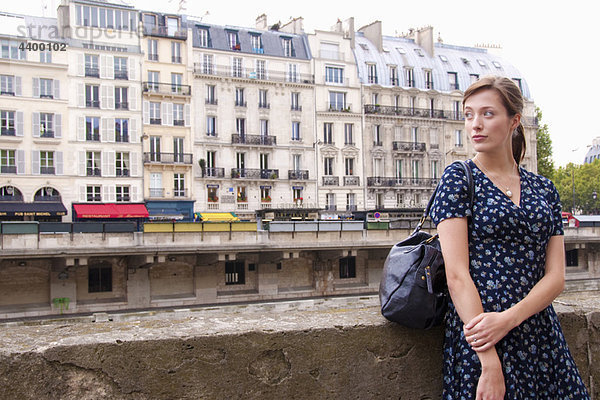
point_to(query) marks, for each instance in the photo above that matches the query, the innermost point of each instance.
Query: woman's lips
(478, 138)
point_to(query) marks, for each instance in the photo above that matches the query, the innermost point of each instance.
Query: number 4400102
(43, 46)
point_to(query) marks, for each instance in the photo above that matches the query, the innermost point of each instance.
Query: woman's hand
(491, 384)
(486, 329)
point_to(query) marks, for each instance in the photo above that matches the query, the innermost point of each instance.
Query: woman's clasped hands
(486, 329)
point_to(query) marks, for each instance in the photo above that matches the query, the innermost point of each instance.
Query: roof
(404, 52)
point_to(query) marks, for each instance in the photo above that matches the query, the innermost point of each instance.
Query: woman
(505, 263)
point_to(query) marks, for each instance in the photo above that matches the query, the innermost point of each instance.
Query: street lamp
(594, 197)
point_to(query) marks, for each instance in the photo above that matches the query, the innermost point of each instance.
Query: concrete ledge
(310, 349)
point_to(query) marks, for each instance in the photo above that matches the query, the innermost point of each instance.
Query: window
(93, 193)
(377, 135)
(122, 164)
(232, 40)
(349, 134)
(204, 37)
(330, 203)
(419, 52)
(292, 73)
(7, 123)
(409, 75)
(375, 98)
(288, 48)
(256, 43)
(93, 159)
(263, 99)
(473, 78)
(264, 127)
(155, 113)
(212, 192)
(398, 171)
(211, 97)
(572, 258)
(177, 83)
(371, 73)
(47, 163)
(482, 63)
(242, 196)
(121, 98)
(46, 91)
(153, 81)
(211, 126)
(8, 163)
(178, 155)
(91, 66)
(295, 101)
(178, 114)
(240, 126)
(518, 82)
(456, 114)
(156, 188)
(297, 195)
(349, 166)
(265, 194)
(328, 133)
(295, 130)
(348, 267)
(236, 67)
(296, 162)
(458, 142)
(176, 52)
(350, 202)
(92, 96)
(416, 164)
(152, 50)
(261, 69)
(337, 101)
(10, 50)
(453, 80)
(46, 125)
(239, 97)
(99, 279)
(414, 134)
(235, 272)
(92, 129)
(122, 193)
(121, 130)
(155, 151)
(46, 56)
(7, 84)
(179, 185)
(334, 75)
(120, 68)
(428, 79)
(207, 64)
(435, 169)
(328, 166)
(394, 75)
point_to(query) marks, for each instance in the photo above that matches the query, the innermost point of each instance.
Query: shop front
(168, 210)
(110, 212)
(37, 211)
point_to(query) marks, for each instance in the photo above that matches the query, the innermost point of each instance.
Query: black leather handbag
(413, 290)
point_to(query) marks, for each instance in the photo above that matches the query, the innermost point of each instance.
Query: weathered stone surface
(326, 349)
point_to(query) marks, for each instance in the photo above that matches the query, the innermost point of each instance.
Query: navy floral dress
(507, 254)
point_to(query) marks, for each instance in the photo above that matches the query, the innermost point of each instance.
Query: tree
(545, 164)
(583, 181)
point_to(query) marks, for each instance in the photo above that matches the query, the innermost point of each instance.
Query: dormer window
(233, 40)
(256, 42)
(204, 37)
(497, 64)
(443, 58)
(482, 63)
(288, 48)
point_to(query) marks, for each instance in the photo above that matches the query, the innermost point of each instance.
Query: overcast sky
(549, 41)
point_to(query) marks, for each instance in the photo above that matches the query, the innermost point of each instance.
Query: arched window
(47, 193)
(10, 193)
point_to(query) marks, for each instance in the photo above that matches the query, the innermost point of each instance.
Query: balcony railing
(47, 170)
(296, 107)
(408, 146)
(92, 103)
(214, 172)
(123, 172)
(406, 111)
(260, 140)
(155, 121)
(7, 92)
(241, 103)
(401, 182)
(176, 60)
(339, 107)
(277, 76)
(164, 31)
(351, 180)
(119, 74)
(8, 169)
(168, 158)
(47, 198)
(298, 174)
(47, 133)
(180, 192)
(331, 55)
(166, 88)
(46, 96)
(153, 57)
(331, 181)
(330, 207)
(92, 137)
(254, 173)
(178, 122)
(157, 192)
(212, 101)
(93, 171)
(264, 105)
(92, 71)
(351, 207)
(122, 105)
(7, 131)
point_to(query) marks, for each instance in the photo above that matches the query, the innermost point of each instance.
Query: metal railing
(409, 146)
(122, 172)
(331, 180)
(406, 111)
(401, 182)
(300, 174)
(47, 171)
(277, 76)
(164, 31)
(122, 105)
(92, 103)
(93, 171)
(351, 180)
(180, 192)
(53, 199)
(119, 74)
(261, 140)
(156, 192)
(8, 169)
(346, 107)
(168, 158)
(255, 173)
(8, 132)
(214, 172)
(92, 71)
(166, 88)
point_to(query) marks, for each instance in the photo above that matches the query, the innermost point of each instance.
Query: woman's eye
(468, 115)
(488, 113)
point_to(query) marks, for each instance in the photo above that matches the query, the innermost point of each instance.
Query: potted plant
(266, 199)
(202, 164)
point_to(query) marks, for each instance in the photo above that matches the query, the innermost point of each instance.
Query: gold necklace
(509, 193)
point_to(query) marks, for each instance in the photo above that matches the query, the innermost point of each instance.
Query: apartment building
(339, 121)
(253, 118)
(34, 149)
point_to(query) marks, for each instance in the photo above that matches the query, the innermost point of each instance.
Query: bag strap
(469, 174)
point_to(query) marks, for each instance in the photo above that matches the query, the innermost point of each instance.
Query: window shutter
(35, 124)
(58, 126)
(169, 114)
(19, 123)
(103, 67)
(58, 157)
(17, 85)
(132, 69)
(146, 106)
(36, 87)
(35, 162)
(80, 95)
(111, 193)
(134, 160)
(134, 194)
(110, 92)
(110, 67)
(56, 84)
(104, 97)
(134, 136)
(80, 65)
(164, 113)
(110, 129)
(133, 98)
(81, 129)
(82, 164)
(186, 114)
(82, 193)
(104, 130)
(20, 159)
(108, 163)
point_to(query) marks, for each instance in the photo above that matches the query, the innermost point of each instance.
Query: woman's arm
(489, 328)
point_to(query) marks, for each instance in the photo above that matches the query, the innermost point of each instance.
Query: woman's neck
(501, 164)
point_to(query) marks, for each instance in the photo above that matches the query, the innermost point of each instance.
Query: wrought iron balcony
(153, 57)
(92, 137)
(351, 180)
(168, 158)
(180, 192)
(7, 92)
(400, 182)
(409, 146)
(212, 101)
(47, 170)
(164, 31)
(176, 60)
(47, 133)
(92, 72)
(120, 74)
(351, 207)
(406, 111)
(331, 180)
(122, 172)
(241, 103)
(92, 103)
(337, 107)
(298, 174)
(264, 105)
(330, 207)
(157, 192)
(8, 169)
(7, 131)
(122, 105)
(273, 76)
(255, 173)
(214, 172)
(296, 107)
(166, 88)
(260, 140)
(93, 171)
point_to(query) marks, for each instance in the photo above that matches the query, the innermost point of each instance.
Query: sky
(549, 41)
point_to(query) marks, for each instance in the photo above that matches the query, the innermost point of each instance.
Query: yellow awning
(219, 217)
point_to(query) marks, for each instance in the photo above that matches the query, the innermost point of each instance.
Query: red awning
(111, 210)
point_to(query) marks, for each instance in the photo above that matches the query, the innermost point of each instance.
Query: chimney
(337, 27)
(424, 38)
(373, 33)
(349, 31)
(261, 22)
(296, 26)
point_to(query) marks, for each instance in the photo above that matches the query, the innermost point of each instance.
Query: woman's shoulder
(538, 182)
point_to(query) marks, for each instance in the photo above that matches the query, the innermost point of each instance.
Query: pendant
(508, 193)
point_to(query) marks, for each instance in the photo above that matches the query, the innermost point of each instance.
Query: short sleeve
(452, 196)
(554, 201)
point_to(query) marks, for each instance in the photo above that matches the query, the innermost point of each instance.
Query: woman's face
(487, 122)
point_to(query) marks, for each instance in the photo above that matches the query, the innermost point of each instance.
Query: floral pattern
(507, 253)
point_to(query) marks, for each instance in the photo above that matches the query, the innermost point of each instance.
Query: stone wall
(311, 349)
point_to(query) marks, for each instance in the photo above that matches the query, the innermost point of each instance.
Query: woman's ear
(516, 121)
